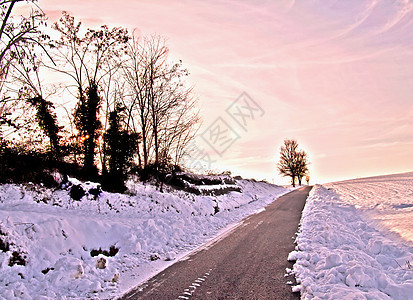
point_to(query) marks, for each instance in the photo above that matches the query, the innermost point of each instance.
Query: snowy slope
(55, 236)
(355, 240)
(387, 199)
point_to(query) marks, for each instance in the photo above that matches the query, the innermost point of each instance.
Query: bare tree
(27, 81)
(14, 34)
(165, 107)
(293, 163)
(18, 35)
(302, 165)
(181, 126)
(89, 60)
(136, 75)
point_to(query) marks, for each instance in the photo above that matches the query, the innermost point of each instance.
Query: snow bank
(341, 254)
(99, 247)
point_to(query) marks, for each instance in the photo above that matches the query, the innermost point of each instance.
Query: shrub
(17, 258)
(77, 192)
(112, 252)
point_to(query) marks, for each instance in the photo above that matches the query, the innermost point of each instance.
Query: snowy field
(356, 240)
(56, 248)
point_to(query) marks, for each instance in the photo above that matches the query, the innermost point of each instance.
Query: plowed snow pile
(355, 240)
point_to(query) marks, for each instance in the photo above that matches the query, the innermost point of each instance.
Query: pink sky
(335, 75)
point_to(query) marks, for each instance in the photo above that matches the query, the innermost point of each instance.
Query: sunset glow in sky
(335, 75)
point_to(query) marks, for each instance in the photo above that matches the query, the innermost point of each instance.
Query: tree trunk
(139, 154)
(145, 148)
(89, 159)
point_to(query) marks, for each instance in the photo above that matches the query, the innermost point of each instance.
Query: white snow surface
(56, 234)
(355, 240)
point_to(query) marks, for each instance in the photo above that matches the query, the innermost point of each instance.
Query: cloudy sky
(335, 75)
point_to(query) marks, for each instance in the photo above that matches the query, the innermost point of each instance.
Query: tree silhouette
(302, 166)
(162, 108)
(121, 146)
(88, 125)
(20, 35)
(293, 163)
(48, 122)
(89, 59)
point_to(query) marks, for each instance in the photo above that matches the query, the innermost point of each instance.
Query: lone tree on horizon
(293, 162)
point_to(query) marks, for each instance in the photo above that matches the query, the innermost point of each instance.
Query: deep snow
(355, 240)
(55, 235)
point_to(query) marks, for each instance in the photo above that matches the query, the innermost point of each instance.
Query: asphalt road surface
(248, 263)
